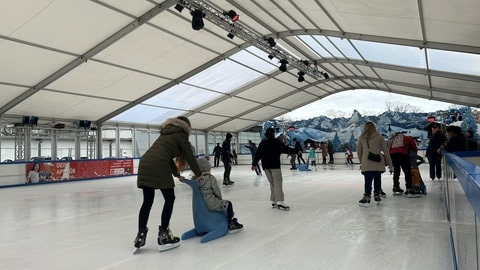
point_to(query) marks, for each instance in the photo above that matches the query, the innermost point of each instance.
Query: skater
(348, 155)
(212, 196)
(155, 171)
(312, 157)
(217, 153)
(253, 150)
(433, 153)
(400, 146)
(371, 143)
(299, 151)
(331, 151)
(227, 160)
(417, 183)
(269, 151)
(323, 147)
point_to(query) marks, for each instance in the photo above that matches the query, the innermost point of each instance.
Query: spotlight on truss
(271, 42)
(283, 65)
(325, 75)
(301, 77)
(271, 56)
(230, 35)
(232, 15)
(197, 19)
(179, 7)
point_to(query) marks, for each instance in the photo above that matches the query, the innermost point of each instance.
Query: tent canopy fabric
(140, 62)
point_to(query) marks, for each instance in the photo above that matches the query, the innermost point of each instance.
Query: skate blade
(135, 250)
(166, 247)
(235, 231)
(283, 208)
(397, 193)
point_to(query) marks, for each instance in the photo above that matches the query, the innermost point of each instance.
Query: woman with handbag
(373, 155)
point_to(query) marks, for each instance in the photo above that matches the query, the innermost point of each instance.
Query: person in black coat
(269, 151)
(433, 153)
(471, 143)
(217, 153)
(227, 159)
(456, 141)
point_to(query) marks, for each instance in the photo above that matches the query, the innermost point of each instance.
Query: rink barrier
(14, 174)
(462, 202)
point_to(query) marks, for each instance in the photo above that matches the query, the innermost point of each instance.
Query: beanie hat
(229, 136)
(204, 164)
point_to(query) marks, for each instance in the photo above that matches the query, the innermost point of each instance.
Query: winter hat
(229, 136)
(204, 164)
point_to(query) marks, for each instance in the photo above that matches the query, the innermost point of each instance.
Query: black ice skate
(283, 206)
(234, 226)
(365, 201)
(397, 191)
(411, 193)
(140, 240)
(377, 198)
(227, 182)
(166, 240)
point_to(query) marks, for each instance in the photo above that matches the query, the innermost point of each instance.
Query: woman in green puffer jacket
(156, 170)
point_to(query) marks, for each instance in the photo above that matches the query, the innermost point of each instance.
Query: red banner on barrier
(82, 169)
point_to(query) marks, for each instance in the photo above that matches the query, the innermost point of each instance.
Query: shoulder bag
(373, 157)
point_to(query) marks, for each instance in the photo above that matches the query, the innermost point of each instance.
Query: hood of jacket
(174, 125)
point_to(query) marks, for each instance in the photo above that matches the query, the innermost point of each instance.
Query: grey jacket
(211, 193)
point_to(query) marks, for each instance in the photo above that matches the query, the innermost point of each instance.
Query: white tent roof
(140, 62)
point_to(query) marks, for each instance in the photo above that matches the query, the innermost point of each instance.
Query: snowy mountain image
(342, 131)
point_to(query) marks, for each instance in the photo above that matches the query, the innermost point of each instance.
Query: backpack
(397, 142)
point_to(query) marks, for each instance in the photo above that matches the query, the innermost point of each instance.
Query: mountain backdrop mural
(342, 131)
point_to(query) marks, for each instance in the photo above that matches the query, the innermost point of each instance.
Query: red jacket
(397, 145)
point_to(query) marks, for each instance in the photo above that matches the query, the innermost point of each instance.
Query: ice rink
(92, 225)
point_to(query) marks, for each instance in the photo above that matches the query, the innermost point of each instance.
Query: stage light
(271, 42)
(197, 19)
(325, 75)
(232, 15)
(179, 7)
(230, 35)
(283, 65)
(271, 56)
(33, 121)
(25, 120)
(300, 76)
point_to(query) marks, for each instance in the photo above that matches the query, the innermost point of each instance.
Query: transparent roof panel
(145, 114)
(224, 77)
(457, 62)
(345, 47)
(183, 97)
(328, 46)
(253, 61)
(391, 54)
(314, 46)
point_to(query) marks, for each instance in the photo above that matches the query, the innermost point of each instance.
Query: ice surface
(92, 225)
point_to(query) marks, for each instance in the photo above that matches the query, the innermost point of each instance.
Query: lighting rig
(228, 20)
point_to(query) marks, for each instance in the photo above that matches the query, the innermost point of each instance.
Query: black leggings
(229, 211)
(148, 196)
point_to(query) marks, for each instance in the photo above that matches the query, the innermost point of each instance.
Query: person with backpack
(400, 145)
